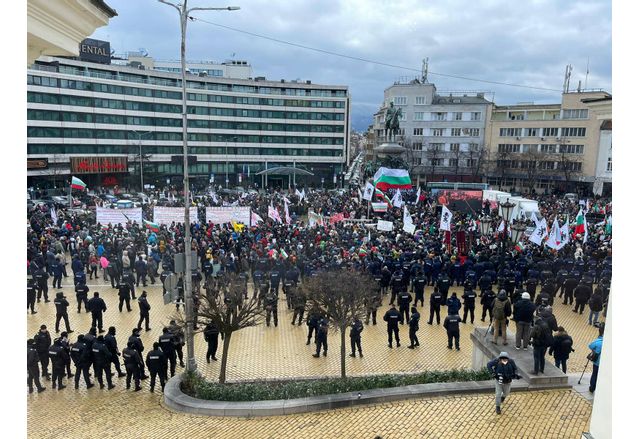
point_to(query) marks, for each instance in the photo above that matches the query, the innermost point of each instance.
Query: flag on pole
(445, 219)
(553, 240)
(273, 214)
(406, 218)
(255, 218)
(564, 235)
(76, 183)
(368, 192)
(417, 196)
(54, 215)
(534, 218)
(303, 194)
(387, 178)
(519, 247)
(586, 230)
(580, 223)
(384, 197)
(286, 212)
(151, 226)
(539, 233)
(397, 199)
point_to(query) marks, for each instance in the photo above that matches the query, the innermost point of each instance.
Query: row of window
(453, 147)
(454, 163)
(118, 119)
(38, 149)
(549, 149)
(82, 101)
(86, 133)
(200, 97)
(545, 165)
(203, 85)
(543, 132)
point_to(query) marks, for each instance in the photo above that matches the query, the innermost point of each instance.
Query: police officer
(61, 304)
(486, 299)
(271, 306)
(97, 307)
(57, 270)
(354, 335)
(33, 371)
(404, 300)
(469, 297)
(64, 342)
(453, 304)
(313, 318)
(42, 286)
(42, 341)
(452, 325)
(143, 303)
(133, 364)
(397, 285)
(101, 362)
(435, 300)
(178, 334)
(299, 304)
(373, 302)
(112, 344)
(392, 317)
(570, 283)
(419, 283)
(582, 293)
(127, 277)
(79, 277)
(274, 278)
(82, 293)
(264, 289)
(81, 355)
(413, 327)
(168, 346)
(31, 295)
(321, 337)
(124, 295)
(443, 285)
(211, 333)
(258, 277)
(58, 357)
(140, 267)
(156, 362)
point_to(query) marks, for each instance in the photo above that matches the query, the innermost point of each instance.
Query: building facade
(443, 134)
(105, 120)
(541, 148)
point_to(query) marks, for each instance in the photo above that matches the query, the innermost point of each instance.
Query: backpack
(542, 334)
(499, 309)
(566, 345)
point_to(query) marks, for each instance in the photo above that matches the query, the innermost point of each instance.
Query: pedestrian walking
(504, 370)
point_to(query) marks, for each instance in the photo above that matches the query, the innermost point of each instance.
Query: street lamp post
(507, 209)
(140, 135)
(188, 300)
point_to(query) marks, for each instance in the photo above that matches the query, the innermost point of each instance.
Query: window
(472, 132)
(609, 165)
(436, 146)
(454, 147)
(418, 115)
(473, 147)
(471, 163)
(508, 147)
(572, 149)
(550, 149)
(574, 132)
(531, 132)
(420, 100)
(547, 165)
(515, 116)
(575, 114)
(571, 166)
(417, 131)
(438, 116)
(417, 146)
(510, 132)
(456, 132)
(549, 132)
(453, 163)
(417, 161)
(457, 116)
(400, 100)
(437, 162)
(475, 115)
(437, 132)
(529, 147)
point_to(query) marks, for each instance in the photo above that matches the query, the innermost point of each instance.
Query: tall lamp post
(188, 301)
(140, 136)
(507, 209)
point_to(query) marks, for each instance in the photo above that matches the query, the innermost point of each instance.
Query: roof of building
(591, 100)
(437, 99)
(100, 4)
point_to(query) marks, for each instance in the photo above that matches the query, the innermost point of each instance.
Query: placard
(106, 216)
(227, 214)
(385, 226)
(409, 228)
(167, 215)
(379, 207)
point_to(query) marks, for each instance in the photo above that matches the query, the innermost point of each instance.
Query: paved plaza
(263, 353)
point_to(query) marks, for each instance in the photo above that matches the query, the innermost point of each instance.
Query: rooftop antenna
(425, 69)
(567, 78)
(586, 76)
(579, 85)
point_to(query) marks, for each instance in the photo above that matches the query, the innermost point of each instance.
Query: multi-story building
(544, 147)
(601, 107)
(103, 121)
(443, 134)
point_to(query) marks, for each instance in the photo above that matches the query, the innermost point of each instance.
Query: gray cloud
(527, 43)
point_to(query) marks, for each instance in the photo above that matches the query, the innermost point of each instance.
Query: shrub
(196, 386)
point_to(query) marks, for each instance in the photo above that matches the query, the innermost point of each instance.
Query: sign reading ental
(97, 51)
(224, 215)
(168, 215)
(106, 216)
(98, 165)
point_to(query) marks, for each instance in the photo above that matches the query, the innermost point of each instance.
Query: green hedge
(198, 387)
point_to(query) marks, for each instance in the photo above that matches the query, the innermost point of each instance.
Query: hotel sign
(98, 165)
(95, 51)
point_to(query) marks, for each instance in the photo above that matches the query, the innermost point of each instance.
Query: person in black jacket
(101, 362)
(97, 307)
(392, 317)
(404, 300)
(452, 325)
(442, 286)
(523, 311)
(321, 337)
(419, 283)
(211, 333)
(595, 307)
(143, 303)
(42, 341)
(81, 356)
(62, 304)
(504, 370)
(124, 295)
(413, 327)
(33, 371)
(354, 335)
(138, 346)
(31, 295)
(156, 362)
(582, 294)
(313, 317)
(133, 364)
(140, 267)
(435, 300)
(112, 344)
(469, 297)
(561, 347)
(82, 292)
(570, 283)
(58, 357)
(167, 344)
(541, 339)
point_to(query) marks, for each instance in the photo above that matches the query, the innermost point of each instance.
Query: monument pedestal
(389, 149)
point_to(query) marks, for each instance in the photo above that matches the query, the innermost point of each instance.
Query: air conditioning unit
(518, 138)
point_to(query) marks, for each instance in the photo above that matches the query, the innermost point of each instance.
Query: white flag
(417, 196)
(397, 199)
(303, 194)
(564, 236)
(539, 233)
(501, 227)
(368, 192)
(445, 219)
(286, 212)
(273, 213)
(406, 219)
(298, 193)
(586, 229)
(553, 239)
(54, 215)
(534, 218)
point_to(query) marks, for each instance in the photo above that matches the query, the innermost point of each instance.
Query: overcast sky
(527, 43)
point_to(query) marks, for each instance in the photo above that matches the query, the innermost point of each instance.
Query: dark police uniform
(392, 317)
(354, 335)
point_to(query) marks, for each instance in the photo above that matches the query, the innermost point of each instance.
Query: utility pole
(188, 300)
(140, 135)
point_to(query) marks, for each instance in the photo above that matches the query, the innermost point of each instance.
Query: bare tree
(501, 164)
(341, 296)
(456, 155)
(478, 156)
(530, 168)
(433, 154)
(566, 164)
(223, 304)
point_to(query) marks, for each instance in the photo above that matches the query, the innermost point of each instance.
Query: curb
(175, 399)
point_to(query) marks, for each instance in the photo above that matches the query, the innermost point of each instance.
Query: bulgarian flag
(151, 226)
(519, 247)
(387, 178)
(386, 199)
(76, 183)
(580, 223)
